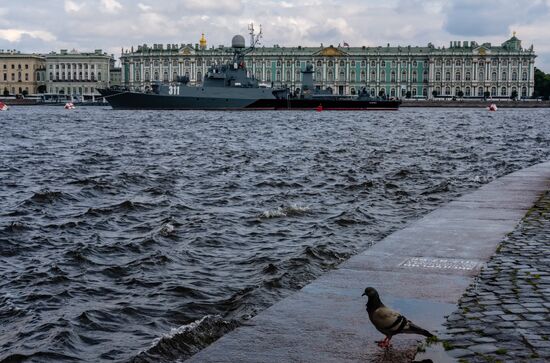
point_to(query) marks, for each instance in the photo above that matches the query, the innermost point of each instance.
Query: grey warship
(228, 87)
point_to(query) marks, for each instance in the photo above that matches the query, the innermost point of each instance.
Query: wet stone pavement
(505, 314)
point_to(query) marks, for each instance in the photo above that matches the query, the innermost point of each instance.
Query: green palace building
(464, 68)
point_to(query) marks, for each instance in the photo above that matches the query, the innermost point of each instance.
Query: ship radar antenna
(254, 39)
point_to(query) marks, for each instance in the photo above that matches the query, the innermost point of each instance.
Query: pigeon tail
(418, 330)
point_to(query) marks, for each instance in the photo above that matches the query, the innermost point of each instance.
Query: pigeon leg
(383, 343)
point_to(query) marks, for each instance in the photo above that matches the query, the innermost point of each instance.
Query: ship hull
(146, 101)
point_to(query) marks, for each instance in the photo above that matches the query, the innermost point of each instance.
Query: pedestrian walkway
(505, 314)
(422, 271)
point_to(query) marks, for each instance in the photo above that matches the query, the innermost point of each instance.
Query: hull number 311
(173, 90)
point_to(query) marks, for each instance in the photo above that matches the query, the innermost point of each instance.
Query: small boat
(69, 106)
(492, 107)
(3, 106)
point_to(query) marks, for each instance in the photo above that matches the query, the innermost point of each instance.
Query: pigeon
(387, 321)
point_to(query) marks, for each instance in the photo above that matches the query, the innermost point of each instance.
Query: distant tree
(6, 92)
(460, 94)
(486, 94)
(25, 93)
(514, 95)
(542, 84)
(381, 93)
(434, 93)
(408, 94)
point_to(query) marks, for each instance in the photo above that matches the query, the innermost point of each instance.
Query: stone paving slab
(421, 270)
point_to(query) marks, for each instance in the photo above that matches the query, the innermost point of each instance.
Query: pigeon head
(370, 292)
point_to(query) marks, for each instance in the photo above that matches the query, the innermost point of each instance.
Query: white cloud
(144, 7)
(72, 6)
(111, 6)
(15, 35)
(284, 22)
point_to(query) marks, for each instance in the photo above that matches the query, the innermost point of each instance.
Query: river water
(143, 236)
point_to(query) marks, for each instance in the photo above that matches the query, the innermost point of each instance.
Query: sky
(43, 26)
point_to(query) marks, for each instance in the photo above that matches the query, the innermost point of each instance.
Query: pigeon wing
(388, 321)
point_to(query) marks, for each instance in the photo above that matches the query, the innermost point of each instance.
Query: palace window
(363, 76)
(504, 76)
(318, 76)
(415, 63)
(373, 64)
(330, 64)
(393, 64)
(457, 76)
(414, 77)
(268, 76)
(353, 63)
(514, 76)
(515, 62)
(175, 76)
(503, 91)
(342, 64)
(458, 63)
(319, 63)
(166, 63)
(403, 92)
(297, 63)
(372, 75)
(447, 76)
(383, 64)
(156, 76)
(493, 91)
(330, 76)
(287, 75)
(448, 63)
(392, 92)
(363, 63)
(468, 76)
(437, 76)
(383, 76)
(524, 92)
(457, 91)
(147, 77)
(137, 76)
(524, 76)
(438, 62)
(468, 92)
(404, 76)
(99, 76)
(392, 76)
(468, 62)
(438, 90)
(278, 63)
(288, 63)
(447, 91)
(494, 76)
(352, 76)
(342, 76)
(165, 77)
(278, 75)
(505, 63)
(481, 77)
(495, 63)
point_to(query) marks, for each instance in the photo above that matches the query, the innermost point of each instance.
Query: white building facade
(78, 74)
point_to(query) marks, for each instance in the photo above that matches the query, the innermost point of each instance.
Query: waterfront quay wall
(475, 104)
(421, 270)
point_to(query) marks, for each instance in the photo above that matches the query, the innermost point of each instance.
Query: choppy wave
(119, 227)
(289, 211)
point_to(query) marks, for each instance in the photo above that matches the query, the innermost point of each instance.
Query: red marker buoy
(319, 108)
